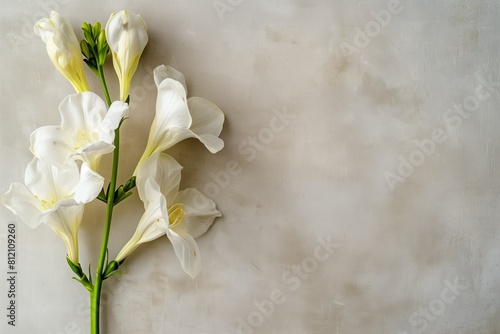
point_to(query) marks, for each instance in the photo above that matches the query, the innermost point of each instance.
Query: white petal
(63, 49)
(22, 203)
(168, 176)
(45, 29)
(187, 251)
(92, 153)
(169, 138)
(90, 126)
(153, 222)
(146, 171)
(116, 112)
(65, 220)
(163, 72)
(49, 182)
(151, 225)
(171, 105)
(207, 122)
(56, 25)
(90, 185)
(83, 112)
(199, 212)
(172, 118)
(52, 144)
(185, 248)
(86, 133)
(150, 192)
(165, 171)
(128, 31)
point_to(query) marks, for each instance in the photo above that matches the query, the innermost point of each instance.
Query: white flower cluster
(64, 173)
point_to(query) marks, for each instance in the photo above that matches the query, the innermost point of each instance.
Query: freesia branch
(65, 172)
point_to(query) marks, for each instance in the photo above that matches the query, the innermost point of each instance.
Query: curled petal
(113, 117)
(165, 171)
(89, 186)
(151, 192)
(163, 72)
(22, 203)
(177, 119)
(172, 120)
(91, 154)
(186, 250)
(152, 224)
(199, 212)
(185, 247)
(171, 106)
(207, 122)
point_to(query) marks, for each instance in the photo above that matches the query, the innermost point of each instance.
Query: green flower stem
(95, 294)
(103, 82)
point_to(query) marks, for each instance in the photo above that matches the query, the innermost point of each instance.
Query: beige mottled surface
(414, 248)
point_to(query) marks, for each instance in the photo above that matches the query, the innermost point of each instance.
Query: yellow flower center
(82, 140)
(175, 214)
(47, 205)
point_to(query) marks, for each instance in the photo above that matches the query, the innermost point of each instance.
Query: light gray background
(357, 119)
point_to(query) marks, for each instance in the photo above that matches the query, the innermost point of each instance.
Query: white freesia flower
(181, 215)
(86, 131)
(127, 37)
(63, 49)
(178, 118)
(54, 196)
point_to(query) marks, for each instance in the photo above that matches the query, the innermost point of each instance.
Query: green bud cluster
(94, 46)
(111, 269)
(121, 193)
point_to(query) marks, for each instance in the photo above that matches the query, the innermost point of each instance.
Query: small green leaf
(96, 28)
(101, 40)
(102, 56)
(84, 47)
(89, 38)
(107, 191)
(124, 118)
(102, 196)
(115, 273)
(110, 268)
(91, 63)
(90, 274)
(91, 67)
(85, 283)
(130, 184)
(86, 26)
(76, 268)
(119, 192)
(122, 197)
